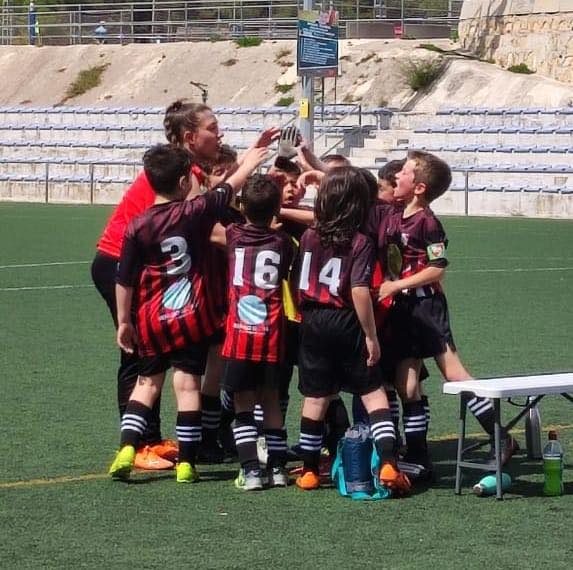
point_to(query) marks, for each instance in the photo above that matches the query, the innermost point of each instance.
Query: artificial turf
(509, 289)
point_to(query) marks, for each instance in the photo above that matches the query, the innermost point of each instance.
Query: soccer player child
(338, 345)
(161, 272)
(413, 246)
(259, 260)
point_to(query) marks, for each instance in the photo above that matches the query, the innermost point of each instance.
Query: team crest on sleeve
(436, 251)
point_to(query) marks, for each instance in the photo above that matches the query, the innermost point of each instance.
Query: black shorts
(247, 375)
(419, 327)
(332, 355)
(218, 337)
(192, 360)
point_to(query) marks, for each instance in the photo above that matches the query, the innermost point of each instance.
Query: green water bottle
(553, 466)
(488, 485)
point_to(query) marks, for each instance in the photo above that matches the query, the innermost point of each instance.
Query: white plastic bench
(536, 387)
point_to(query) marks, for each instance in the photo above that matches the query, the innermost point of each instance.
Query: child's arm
(219, 236)
(363, 306)
(253, 158)
(295, 215)
(126, 336)
(427, 276)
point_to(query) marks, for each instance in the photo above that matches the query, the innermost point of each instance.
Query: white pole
(307, 124)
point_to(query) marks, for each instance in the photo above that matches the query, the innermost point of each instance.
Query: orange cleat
(147, 459)
(394, 479)
(308, 481)
(167, 449)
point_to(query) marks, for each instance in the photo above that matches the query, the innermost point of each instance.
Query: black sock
(188, 431)
(277, 447)
(336, 423)
(310, 442)
(245, 432)
(426, 404)
(211, 418)
(259, 419)
(133, 423)
(227, 408)
(482, 409)
(415, 429)
(394, 411)
(382, 429)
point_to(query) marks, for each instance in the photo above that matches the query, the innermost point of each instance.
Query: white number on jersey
(266, 268)
(176, 247)
(329, 274)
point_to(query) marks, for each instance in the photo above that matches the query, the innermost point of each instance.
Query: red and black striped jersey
(327, 277)
(163, 258)
(259, 260)
(407, 245)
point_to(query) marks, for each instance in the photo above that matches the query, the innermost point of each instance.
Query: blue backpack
(356, 467)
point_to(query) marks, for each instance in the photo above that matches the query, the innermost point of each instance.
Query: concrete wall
(529, 205)
(538, 33)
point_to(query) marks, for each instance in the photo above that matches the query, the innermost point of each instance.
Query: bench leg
(461, 442)
(497, 443)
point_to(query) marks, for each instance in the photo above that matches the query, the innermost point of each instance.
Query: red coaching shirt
(327, 276)
(163, 258)
(138, 197)
(259, 260)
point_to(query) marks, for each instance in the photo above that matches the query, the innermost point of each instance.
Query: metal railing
(165, 21)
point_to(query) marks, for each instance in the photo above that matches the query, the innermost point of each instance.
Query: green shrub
(454, 35)
(249, 41)
(432, 47)
(366, 57)
(87, 79)
(283, 88)
(282, 53)
(421, 74)
(521, 68)
(285, 101)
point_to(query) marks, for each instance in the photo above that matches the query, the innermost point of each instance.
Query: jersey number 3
(176, 247)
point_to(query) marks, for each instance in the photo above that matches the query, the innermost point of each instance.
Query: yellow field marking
(454, 436)
(98, 476)
(53, 481)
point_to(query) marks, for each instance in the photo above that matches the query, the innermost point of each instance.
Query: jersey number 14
(329, 274)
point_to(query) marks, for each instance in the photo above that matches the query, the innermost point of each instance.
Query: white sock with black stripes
(259, 418)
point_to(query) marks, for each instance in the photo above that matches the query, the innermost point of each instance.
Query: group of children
(349, 291)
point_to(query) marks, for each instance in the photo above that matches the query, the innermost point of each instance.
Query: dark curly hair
(341, 206)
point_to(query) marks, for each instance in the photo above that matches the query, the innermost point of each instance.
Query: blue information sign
(317, 45)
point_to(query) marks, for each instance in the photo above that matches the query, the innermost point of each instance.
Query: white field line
(45, 287)
(510, 270)
(49, 264)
